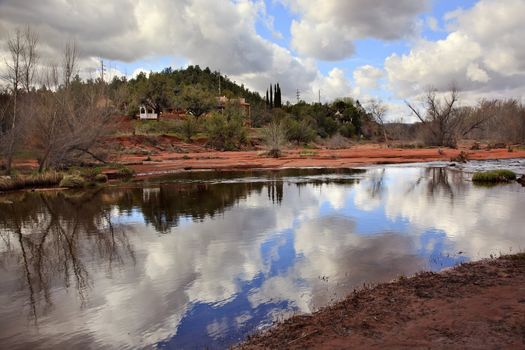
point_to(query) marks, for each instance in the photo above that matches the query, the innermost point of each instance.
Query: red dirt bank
(195, 157)
(479, 305)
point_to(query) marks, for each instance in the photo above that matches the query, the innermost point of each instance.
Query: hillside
(163, 90)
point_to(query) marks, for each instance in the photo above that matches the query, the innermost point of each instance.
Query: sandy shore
(478, 305)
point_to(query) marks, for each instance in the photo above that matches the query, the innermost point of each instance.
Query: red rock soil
(478, 305)
(151, 155)
(169, 154)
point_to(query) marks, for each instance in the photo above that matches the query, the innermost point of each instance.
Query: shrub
(275, 138)
(327, 126)
(73, 181)
(101, 178)
(87, 172)
(299, 131)
(347, 130)
(462, 157)
(189, 128)
(494, 176)
(126, 172)
(337, 142)
(226, 131)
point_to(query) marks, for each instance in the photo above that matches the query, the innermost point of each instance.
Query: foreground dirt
(173, 155)
(478, 305)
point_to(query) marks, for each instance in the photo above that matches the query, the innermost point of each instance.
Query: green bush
(188, 128)
(494, 176)
(73, 181)
(226, 130)
(86, 172)
(300, 131)
(347, 130)
(327, 127)
(101, 178)
(126, 172)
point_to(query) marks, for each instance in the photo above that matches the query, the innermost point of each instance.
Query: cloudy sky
(360, 48)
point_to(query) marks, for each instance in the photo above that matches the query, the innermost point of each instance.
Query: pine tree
(267, 102)
(271, 96)
(278, 95)
(275, 95)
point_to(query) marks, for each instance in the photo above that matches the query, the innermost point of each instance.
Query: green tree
(195, 100)
(189, 127)
(226, 130)
(300, 131)
(271, 96)
(278, 104)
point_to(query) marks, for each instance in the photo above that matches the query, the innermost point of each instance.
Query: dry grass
(48, 179)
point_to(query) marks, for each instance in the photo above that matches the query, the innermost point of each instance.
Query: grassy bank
(72, 178)
(494, 176)
(13, 183)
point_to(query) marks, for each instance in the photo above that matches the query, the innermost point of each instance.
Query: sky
(392, 50)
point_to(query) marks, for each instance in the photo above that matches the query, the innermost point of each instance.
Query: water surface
(197, 262)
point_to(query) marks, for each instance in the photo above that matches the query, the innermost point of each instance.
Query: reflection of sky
(210, 282)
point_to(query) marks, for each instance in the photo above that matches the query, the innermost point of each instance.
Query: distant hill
(210, 80)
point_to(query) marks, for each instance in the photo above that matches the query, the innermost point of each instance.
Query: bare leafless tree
(502, 121)
(440, 117)
(19, 76)
(13, 77)
(73, 118)
(69, 63)
(30, 58)
(275, 138)
(377, 109)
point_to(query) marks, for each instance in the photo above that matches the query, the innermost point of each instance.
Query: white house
(147, 113)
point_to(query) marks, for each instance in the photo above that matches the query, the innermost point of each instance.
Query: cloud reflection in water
(185, 265)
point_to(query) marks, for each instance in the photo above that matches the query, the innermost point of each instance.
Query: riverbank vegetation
(52, 115)
(494, 176)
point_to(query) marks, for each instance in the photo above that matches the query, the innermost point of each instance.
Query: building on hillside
(223, 101)
(147, 113)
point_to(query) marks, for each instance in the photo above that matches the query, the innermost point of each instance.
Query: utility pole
(298, 93)
(319, 96)
(102, 70)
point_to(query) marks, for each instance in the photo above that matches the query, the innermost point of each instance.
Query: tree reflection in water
(53, 236)
(163, 206)
(439, 181)
(446, 181)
